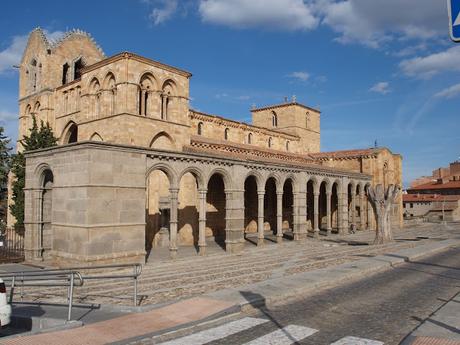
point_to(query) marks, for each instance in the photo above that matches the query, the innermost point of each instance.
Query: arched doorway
(288, 207)
(46, 210)
(322, 205)
(157, 212)
(270, 205)
(250, 205)
(215, 210)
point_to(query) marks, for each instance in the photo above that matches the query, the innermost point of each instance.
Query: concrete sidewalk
(130, 326)
(196, 310)
(441, 328)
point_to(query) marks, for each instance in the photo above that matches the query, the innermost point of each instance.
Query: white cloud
(269, 14)
(12, 54)
(449, 92)
(382, 87)
(164, 12)
(374, 22)
(301, 76)
(428, 66)
(6, 115)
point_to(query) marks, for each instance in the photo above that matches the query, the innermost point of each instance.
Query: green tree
(38, 138)
(5, 157)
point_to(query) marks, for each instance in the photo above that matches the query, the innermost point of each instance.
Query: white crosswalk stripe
(216, 333)
(356, 341)
(285, 336)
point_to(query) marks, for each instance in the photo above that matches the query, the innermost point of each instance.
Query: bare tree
(382, 201)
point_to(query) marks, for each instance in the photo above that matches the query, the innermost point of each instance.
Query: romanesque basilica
(136, 170)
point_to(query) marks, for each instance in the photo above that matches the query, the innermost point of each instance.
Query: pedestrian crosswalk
(288, 335)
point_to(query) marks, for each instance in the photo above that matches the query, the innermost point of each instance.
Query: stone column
(260, 217)
(234, 221)
(361, 211)
(279, 217)
(316, 213)
(343, 213)
(353, 208)
(173, 223)
(328, 213)
(300, 215)
(202, 223)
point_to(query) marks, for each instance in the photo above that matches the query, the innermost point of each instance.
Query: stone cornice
(207, 157)
(241, 125)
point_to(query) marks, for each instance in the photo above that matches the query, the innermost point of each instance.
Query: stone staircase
(185, 277)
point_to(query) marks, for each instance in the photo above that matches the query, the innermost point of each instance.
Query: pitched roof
(346, 154)
(436, 185)
(281, 105)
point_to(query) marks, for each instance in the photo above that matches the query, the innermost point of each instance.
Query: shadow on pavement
(257, 301)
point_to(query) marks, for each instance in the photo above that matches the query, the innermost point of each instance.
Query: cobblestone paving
(169, 280)
(381, 309)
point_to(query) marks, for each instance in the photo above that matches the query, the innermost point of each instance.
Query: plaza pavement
(310, 266)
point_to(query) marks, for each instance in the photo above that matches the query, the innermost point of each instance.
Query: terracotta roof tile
(429, 197)
(436, 185)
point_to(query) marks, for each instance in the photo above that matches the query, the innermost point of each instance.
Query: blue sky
(381, 70)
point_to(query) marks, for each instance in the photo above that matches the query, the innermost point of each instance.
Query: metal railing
(69, 277)
(45, 278)
(137, 270)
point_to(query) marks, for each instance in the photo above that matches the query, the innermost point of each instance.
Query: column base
(260, 241)
(202, 250)
(328, 232)
(313, 233)
(299, 236)
(234, 248)
(173, 253)
(279, 239)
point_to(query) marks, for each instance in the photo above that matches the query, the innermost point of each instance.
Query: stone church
(137, 170)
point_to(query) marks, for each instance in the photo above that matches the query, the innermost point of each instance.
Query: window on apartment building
(411, 205)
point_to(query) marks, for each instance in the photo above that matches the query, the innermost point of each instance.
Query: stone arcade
(136, 169)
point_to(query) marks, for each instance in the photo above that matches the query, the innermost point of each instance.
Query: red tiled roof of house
(436, 185)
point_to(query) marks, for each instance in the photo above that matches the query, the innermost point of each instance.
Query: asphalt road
(383, 308)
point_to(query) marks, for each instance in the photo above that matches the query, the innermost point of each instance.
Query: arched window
(77, 67)
(146, 86)
(167, 98)
(270, 142)
(226, 132)
(200, 128)
(287, 145)
(274, 119)
(65, 73)
(250, 138)
(71, 133)
(307, 116)
(33, 75)
(95, 97)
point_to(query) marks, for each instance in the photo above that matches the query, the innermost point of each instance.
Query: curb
(272, 291)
